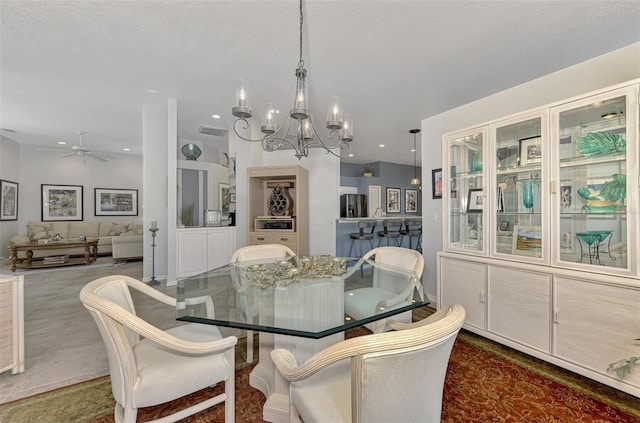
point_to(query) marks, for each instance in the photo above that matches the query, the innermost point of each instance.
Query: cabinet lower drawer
(289, 240)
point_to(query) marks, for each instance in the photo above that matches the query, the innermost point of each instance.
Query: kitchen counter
(348, 225)
(379, 219)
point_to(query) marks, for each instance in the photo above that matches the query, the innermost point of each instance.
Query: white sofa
(126, 247)
(105, 231)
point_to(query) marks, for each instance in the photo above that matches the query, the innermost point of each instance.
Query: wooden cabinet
(203, 249)
(541, 231)
(598, 326)
(466, 285)
(288, 226)
(12, 324)
(520, 306)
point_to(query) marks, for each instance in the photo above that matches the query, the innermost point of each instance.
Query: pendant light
(415, 180)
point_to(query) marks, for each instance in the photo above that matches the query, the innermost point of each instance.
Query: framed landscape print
(61, 202)
(8, 200)
(393, 200)
(116, 202)
(410, 200)
(527, 241)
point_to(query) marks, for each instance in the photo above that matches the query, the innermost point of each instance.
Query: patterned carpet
(485, 382)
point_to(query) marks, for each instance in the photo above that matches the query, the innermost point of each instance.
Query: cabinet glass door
(596, 182)
(466, 202)
(518, 153)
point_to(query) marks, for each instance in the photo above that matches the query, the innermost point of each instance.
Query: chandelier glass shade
(298, 131)
(415, 180)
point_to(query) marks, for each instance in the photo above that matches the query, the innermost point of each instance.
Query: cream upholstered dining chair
(150, 366)
(387, 291)
(248, 253)
(395, 376)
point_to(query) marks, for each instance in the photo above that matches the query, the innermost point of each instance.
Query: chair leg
(230, 389)
(125, 415)
(351, 249)
(249, 346)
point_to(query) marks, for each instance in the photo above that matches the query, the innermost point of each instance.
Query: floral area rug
(481, 386)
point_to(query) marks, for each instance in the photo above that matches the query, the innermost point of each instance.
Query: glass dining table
(297, 304)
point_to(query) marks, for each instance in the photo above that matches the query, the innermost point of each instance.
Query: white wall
(39, 167)
(158, 126)
(610, 69)
(9, 171)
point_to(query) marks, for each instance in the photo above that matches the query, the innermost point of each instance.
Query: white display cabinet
(548, 263)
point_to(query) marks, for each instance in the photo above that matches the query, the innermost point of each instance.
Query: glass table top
(300, 296)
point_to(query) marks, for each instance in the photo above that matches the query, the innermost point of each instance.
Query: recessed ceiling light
(598, 103)
(381, 145)
(153, 91)
(413, 150)
(351, 154)
(610, 115)
(215, 116)
(126, 149)
(62, 143)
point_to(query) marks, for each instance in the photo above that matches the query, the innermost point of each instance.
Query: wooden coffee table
(90, 246)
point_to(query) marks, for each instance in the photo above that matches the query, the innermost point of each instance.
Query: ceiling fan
(81, 151)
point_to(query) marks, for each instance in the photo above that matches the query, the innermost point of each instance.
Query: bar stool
(361, 235)
(389, 232)
(412, 229)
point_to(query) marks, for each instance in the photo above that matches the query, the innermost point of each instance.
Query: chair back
(366, 224)
(264, 251)
(412, 224)
(108, 299)
(403, 258)
(400, 378)
(391, 223)
(397, 257)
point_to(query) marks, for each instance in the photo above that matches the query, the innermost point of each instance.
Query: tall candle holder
(153, 280)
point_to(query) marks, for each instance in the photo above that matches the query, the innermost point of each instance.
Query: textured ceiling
(88, 65)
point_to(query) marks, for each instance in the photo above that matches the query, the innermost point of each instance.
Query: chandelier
(415, 180)
(297, 131)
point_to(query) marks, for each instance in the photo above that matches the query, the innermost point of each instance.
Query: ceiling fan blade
(56, 150)
(93, 156)
(69, 155)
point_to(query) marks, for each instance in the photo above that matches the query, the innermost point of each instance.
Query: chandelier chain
(301, 61)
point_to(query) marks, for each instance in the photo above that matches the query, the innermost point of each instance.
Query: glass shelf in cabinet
(584, 161)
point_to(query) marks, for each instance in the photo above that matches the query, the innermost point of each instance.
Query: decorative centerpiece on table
(286, 273)
(609, 199)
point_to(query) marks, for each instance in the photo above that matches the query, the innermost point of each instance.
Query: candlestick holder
(153, 280)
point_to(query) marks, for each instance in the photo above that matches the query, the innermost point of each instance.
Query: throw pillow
(40, 231)
(118, 229)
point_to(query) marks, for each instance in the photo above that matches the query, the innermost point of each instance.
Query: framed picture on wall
(393, 200)
(436, 183)
(8, 200)
(116, 202)
(410, 200)
(61, 202)
(224, 198)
